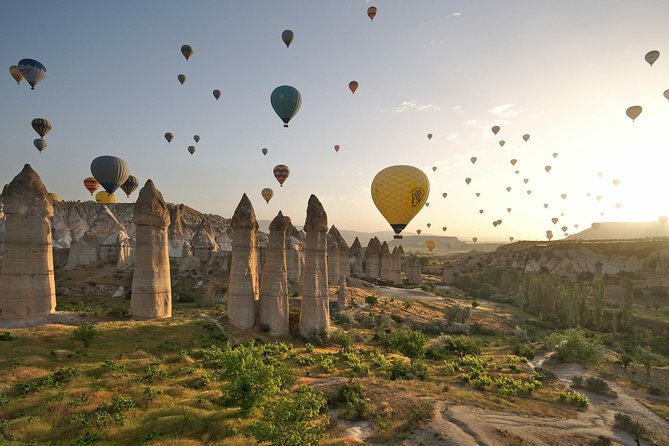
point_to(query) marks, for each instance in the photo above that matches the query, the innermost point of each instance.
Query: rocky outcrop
(188, 261)
(294, 253)
(373, 259)
(355, 256)
(333, 257)
(386, 263)
(342, 298)
(101, 243)
(414, 270)
(243, 286)
(315, 312)
(396, 267)
(448, 277)
(151, 286)
(273, 312)
(345, 263)
(204, 244)
(27, 287)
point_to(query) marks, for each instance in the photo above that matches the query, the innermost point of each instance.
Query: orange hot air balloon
(353, 85)
(371, 12)
(91, 184)
(336, 147)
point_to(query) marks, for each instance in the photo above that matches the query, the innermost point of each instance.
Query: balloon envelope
(666, 94)
(353, 85)
(336, 147)
(41, 126)
(495, 129)
(526, 137)
(264, 151)
(103, 197)
(91, 184)
(168, 137)
(501, 143)
(33, 71)
(110, 171)
(287, 36)
(191, 149)
(473, 159)
(651, 57)
(281, 173)
(40, 144)
(267, 194)
(371, 12)
(181, 78)
(399, 193)
(196, 138)
(286, 101)
(468, 180)
(16, 73)
(217, 94)
(633, 112)
(430, 244)
(55, 197)
(187, 51)
(130, 185)
(429, 136)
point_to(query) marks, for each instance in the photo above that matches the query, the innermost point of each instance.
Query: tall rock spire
(274, 284)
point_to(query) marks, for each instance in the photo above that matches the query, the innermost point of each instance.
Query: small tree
(572, 345)
(649, 359)
(631, 426)
(411, 343)
(294, 420)
(85, 333)
(458, 314)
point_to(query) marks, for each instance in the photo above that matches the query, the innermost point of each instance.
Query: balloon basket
(397, 237)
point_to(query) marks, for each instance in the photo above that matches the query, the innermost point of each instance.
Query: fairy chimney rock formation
(345, 263)
(414, 271)
(151, 286)
(386, 262)
(598, 271)
(204, 243)
(243, 286)
(188, 261)
(294, 253)
(396, 267)
(373, 259)
(355, 256)
(27, 287)
(333, 256)
(274, 283)
(447, 278)
(315, 312)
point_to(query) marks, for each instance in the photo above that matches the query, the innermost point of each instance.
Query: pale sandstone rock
(386, 262)
(345, 263)
(414, 271)
(243, 286)
(342, 300)
(151, 286)
(294, 253)
(355, 254)
(315, 312)
(396, 267)
(188, 261)
(333, 257)
(373, 259)
(273, 311)
(204, 243)
(27, 287)
(448, 277)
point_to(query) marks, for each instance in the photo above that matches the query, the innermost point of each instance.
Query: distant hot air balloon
(399, 193)
(444, 228)
(103, 197)
(526, 180)
(564, 229)
(16, 74)
(264, 151)
(444, 195)
(130, 185)
(429, 136)
(616, 182)
(508, 189)
(217, 94)
(267, 194)
(529, 192)
(287, 37)
(545, 205)
(91, 184)
(281, 173)
(418, 231)
(429, 225)
(501, 143)
(187, 51)
(517, 172)
(336, 147)
(563, 196)
(478, 194)
(371, 12)
(473, 159)
(508, 209)
(619, 205)
(468, 180)
(513, 162)
(196, 138)
(191, 149)
(633, 112)
(475, 239)
(41, 126)
(600, 174)
(353, 85)
(662, 219)
(547, 168)
(555, 154)
(666, 94)
(510, 239)
(168, 137)
(651, 57)
(181, 78)
(33, 71)
(40, 144)
(286, 101)
(110, 171)
(430, 244)
(599, 197)
(526, 137)
(55, 197)
(576, 225)
(481, 211)
(549, 235)
(595, 226)
(554, 220)
(427, 204)
(495, 129)
(434, 168)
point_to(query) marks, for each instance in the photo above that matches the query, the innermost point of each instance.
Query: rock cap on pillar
(26, 194)
(317, 219)
(150, 207)
(244, 216)
(279, 224)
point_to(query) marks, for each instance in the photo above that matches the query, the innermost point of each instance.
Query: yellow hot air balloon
(662, 219)
(16, 73)
(651, 57)
(430, 244)
(103, 197)
(267, 194)
(633, 112)
(55, 197)
(399, 193)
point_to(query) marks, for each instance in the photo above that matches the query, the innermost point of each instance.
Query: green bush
(371, 300)
(355, 406)
(575, 398)
(355, 362)
(6, 336)
(593, 384)
(327, 363)
(85, 333)
(458, 314)
(410, 343)
(400, 369)
(342, 339)
(378, 360)
(456, 345)
(573, 345)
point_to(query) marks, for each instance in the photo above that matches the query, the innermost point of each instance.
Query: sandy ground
(61, 317)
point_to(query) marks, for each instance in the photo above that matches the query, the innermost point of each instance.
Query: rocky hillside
(623, 231)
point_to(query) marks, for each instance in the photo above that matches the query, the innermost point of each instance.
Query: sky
(563, 72)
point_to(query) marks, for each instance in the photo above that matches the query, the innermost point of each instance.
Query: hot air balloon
(526, 180)
(187, 51)
(508, 189)
(554, 220)
(545, 205)
(495, 129)
(429, 225)
(475, 239)
(336, 147)
(517, 172)
(513, 162)
(353, 85)
(633, 112)
(286, 101)
(91, 184)
(217, 94)
(33, 71)
(287, 37)
(547, 168)
(563, 196)
(529, 192)
(599, 197)
(549, 235)
(481, 211)
(429, 136)
(40, 144)
(371, 12)
(110, 171)
(264, 151)
(168, 137)
(526, 137)
(181, 78)
(478, 194)
(103, 197)
(191, 149)
(418, 231)
(616, 182)
(399, 193)
(508, 209)
(564, 229)
(473, 159)
(16, 74)
(130, 185)
(444, 228)
(196, 138)
(55, 197)
(510, 239)
(555, 154)
(666, 94)
(602, 213)
(600, 174)
(41, 126)
(267, 194)
(430, 244)
(281, 173)
(501, 143)
(619, 205)
(468, 180)
(427, 204)
(595, 226)
(662, 219)
(576, 225)
(651, 57)
(444, 195)
(434, 168)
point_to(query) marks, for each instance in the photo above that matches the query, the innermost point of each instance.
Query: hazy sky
(562, 71)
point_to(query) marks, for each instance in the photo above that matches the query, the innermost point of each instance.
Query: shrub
(458, 314)
(524, 350)
(397, 318)
(85, 333)
(601, 441)
(575, 398)
(378, 360)
(355, 362)
(410, 343)
(345, 318)
(371, 300)
(456, 328)
(400, 369)
(456, 345)
(631, 426)
(355, 405)
(309, 348)
(342, 339)
(327, 363)
(572, 345)
(6, 336)
(598, 385)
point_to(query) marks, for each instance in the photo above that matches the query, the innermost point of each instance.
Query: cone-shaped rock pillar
(344, 262)
(373, 259)
(386, 262)
(333, 256)
(315, 312)
(396, 267)
(151, 286)
(414, 270)
(27, 287)
(243, 286)
(274, 284)
(355, 254)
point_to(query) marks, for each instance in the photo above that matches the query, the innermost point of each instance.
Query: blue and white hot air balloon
(33, 71)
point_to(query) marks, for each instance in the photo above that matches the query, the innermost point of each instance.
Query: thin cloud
(453, 136)
(412, 105)
(505, 111)
(456, 14)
